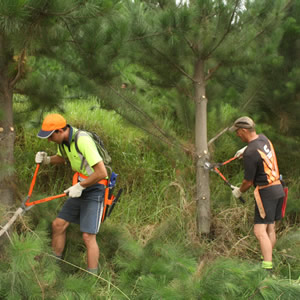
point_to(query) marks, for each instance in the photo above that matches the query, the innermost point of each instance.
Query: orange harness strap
(107, 200)
(271, 169)
(77, 175)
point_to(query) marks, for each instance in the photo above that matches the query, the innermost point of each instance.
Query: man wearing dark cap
(261, 170)
(85, 203)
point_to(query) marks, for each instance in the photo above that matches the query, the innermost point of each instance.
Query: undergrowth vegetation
(149, 246)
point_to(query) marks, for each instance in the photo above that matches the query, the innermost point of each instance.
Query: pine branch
(217, 136)
(37, 279)
(20, 69)
(44, 13)
(169, 140)
(146, 36)
(73, 39)
(184, 91)
(87, 272)
(263, 30)
(212, 71)
(227, 128)
(176, 66)
(226, 32)
(144, 129)
(248, 101)
(191, 45)
(17, 213)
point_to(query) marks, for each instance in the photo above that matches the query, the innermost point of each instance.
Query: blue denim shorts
(85, 210)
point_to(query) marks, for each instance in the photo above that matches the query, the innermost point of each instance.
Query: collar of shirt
(71, 137)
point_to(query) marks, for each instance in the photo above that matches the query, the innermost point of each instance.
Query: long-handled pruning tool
(214, 168)
(26, 204)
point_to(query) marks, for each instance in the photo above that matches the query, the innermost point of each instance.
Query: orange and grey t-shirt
(261, 167)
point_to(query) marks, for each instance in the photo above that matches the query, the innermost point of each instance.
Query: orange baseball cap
(51, 123)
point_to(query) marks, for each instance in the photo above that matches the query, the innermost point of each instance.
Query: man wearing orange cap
(85, 203)
(261, 170)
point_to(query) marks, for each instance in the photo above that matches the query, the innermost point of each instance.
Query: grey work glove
(74, 191)
(240, 152)
(236, 192)
(42, 158)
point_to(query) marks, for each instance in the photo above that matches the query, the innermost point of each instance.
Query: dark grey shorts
(86, 210)
(273, 211)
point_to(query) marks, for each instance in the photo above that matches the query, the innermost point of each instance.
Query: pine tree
(185, 45)
(29, 32)
(279, 76)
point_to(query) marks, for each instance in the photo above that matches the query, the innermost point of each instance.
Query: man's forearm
(245, 185)
(99, 174)
(56, 159)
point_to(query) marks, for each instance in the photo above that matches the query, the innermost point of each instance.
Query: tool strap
(78, 176)
(108, 199)
(258, 198)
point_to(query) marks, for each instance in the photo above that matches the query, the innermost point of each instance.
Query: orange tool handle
(227, 182)
(33, 180)
(228, 161)
(27, 203)
(45, 199)
(222, 176)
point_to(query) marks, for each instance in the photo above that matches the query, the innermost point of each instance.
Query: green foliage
(157, 270)
(233, 279)
(289, 256)
(278, 100)
(29, 269)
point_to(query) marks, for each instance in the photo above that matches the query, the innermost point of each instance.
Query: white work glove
(75, 191)
(42, 158)
(240, 152)
(236, 192)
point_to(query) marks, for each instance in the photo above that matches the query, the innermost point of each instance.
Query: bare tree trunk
(202, 177)
(7, 134)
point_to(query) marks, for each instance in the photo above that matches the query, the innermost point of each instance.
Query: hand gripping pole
(26, 204)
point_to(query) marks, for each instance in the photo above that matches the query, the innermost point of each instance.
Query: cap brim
(233, 128)
(45, 134)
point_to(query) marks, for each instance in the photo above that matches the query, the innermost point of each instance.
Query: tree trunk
(202, 177)
(7, 134)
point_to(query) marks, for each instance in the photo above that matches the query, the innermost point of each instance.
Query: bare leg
(92, 250)
(260, 231)
(59, 227)
(272, 234)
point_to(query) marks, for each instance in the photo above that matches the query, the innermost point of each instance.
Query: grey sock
(94, 271)
(58, 256)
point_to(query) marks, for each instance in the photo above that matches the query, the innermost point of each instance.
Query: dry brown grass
(231, 235)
